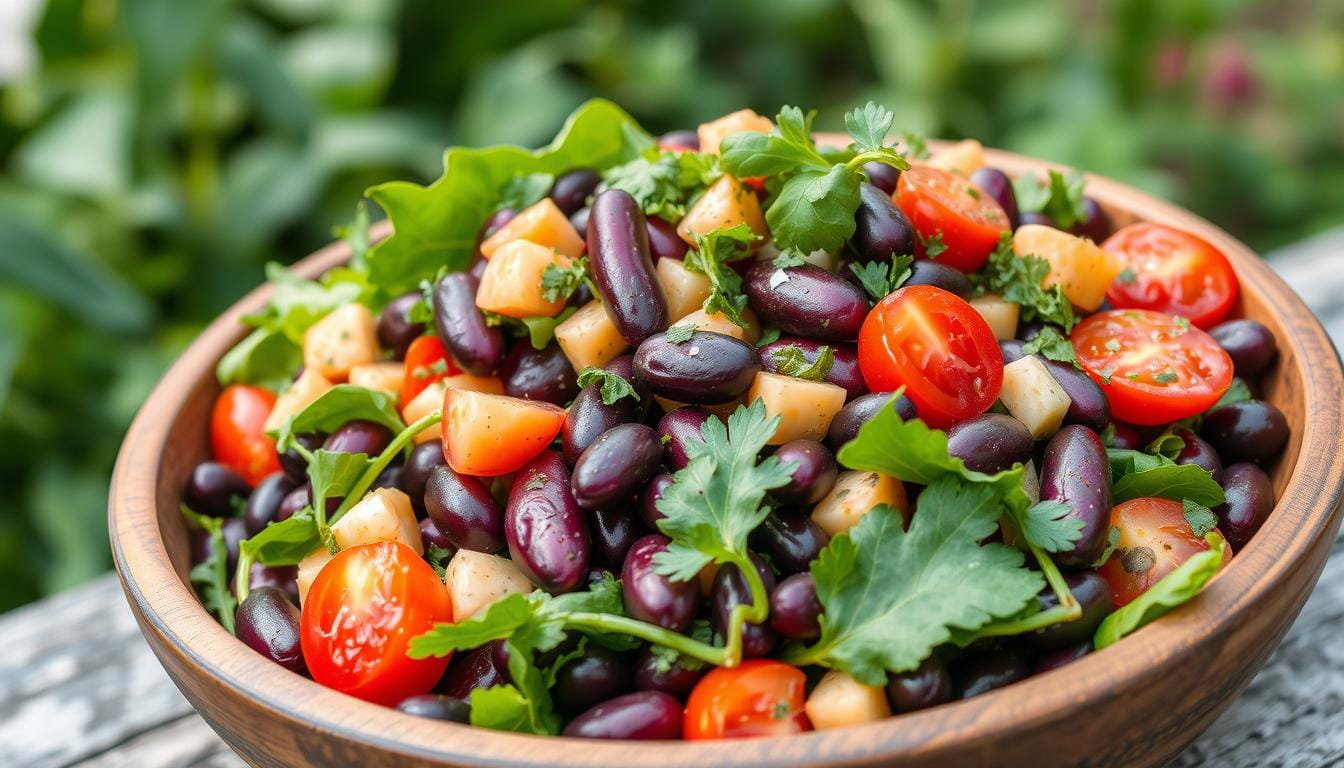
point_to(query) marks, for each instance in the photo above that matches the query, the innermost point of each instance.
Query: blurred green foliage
(160, 151)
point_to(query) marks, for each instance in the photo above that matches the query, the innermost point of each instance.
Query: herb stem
(379, 464)
(220, 552)
(608, 622)
(1068, 609)
(244, 573)
(888, 157)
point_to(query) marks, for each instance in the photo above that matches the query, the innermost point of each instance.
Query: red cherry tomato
(761, 697)
(426, 362)
(1171, 271)
(946, 208)
(1154, 368)
(1154, 538)
(237, 431)
(935, 345)
(360, 615)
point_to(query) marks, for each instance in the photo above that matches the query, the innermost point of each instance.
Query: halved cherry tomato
(490, 435)
(426, 362)
(946, 208)
(1154, 538)
(935, 345)
(1154, 368)
(760, 697)
(360, 615)
(237, 432)
(1171, 271)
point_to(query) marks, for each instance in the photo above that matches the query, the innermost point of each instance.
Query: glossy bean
(1011, 350)
(707, 369)
(292, 462)
(539, 374)
(390, 477)
(612, 532)
(982, 672)
(882, 176)
(649, 497)
(464, 511)
(939, 275)
(794, 609)
(359, 436)
(623, 366)
(589, 418)
(643, 715)
(814, 475)
(731, 590)
(1087, 403)
(263, 506)
(990, 442)
(618, 255)
(494, 222)
(268, 623)
(927, 685)
(1198, 452)
(791, 539)
(415, 476)
(1252, 430)
(470, 671)
(476, 347)
(1126, 437)
(431, 536)
(997, 185)
(212, 487)
(1092, 593)
(844, 371)
(1035, 217)
(845, 426)
(395, 329)
(881, 229)
(1249, 501)
(658, 671)
(599, 674)
(1062, 657)
(812, 302)
(546, 530)
(1075, 471)
(571, 189)
(664, 242)
(680, 139)
(616, 465)
(676, 428)
(436, 707)
(282, 577)
(1095, 224)
(652, 597)
(1248, 342)
(579, 221)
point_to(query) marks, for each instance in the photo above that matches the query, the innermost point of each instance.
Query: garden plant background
(154, 154)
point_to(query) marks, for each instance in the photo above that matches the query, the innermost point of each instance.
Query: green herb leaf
(768, 336)
(712, 253)
(559, 283)
(613, 386)
(524, 190)
(541, 330)
(211, 575)
(1168, 444)
(336, 406)
(285, 542)
(916, 145)
(868, 126)
(438, 558)
(1047, 525)
(1173, 481)
(1061, 198)
(1052, 345)
(933, 246)
(1201, 518)
(680, 334)
(1018, 279)
(814, 210)
(1112, 541)
(1238, 392)
(747, 154)
(356, 235)
(793, 360)
(790, 257)
(1174, 589)
(879, 279)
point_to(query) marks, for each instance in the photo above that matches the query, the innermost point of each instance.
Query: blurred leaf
(248, 54)
(168, 36)
(84, 149)
(70, 515)
(341, 66)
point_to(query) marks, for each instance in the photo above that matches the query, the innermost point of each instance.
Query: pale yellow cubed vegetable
(1000, 315)
(840, 700)
(430, 399)
(345, 338)
(475, 580)
(384, 514)
(805, 408)
(543, 224)
(308, 387)
(719, 323)
(686, 290)
(1033, 396)
(964, 157)
(853, 494)
(380, 377)
(511, 283)
(1077, 264)
(727, 203)
(308, 569)
(588, 337)
(712, 133)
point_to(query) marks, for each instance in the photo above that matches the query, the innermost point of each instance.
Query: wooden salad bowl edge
(1136, 703)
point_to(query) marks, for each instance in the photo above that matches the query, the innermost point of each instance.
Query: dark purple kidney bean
(618, 256)
(680, 139)
(623, 366)
(589, 418)
(1011, 350)
(294, 501)
(579, 221)
(643, 715)
(927, 685)
(1035, 217)
(616, 465)
(677, 427)
(395, 329)
(269, 624)
(572, 188)
(464, 511)
(1062, 657)
(811, 302)
(263, 506)
(1075, 471)
(939, 275)
(599, 674)
(612, 532)
(1253, 430)
(794, 609)
(1087, 403)
(997, 185)
(1126, 437)
(431, 536)
(664, 242)
(1030, 329)
(882, 176)
(282, 577)
(662, 672)
(422, 461)
(845, 426)
(1092, 593)
(1249, 500)
(814, 476)
(212, 487)
(476, 272)
(359, 436)
(546, 530)
(730, 591)
(492, 225)
(791, 540)
(469, 671)
(881, 230)
(707, 369)
(436, 707)
(1095, 224)
(1198, 452)
(1249, 343)
(539, 374)
(990, 442)
(844, 372)
(652, 597)
(649, 497)
(982, 672)
(234, 531)
(475, 346)
(293, 464)
(390, 477)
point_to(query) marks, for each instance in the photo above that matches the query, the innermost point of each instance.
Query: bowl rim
(1307, 510)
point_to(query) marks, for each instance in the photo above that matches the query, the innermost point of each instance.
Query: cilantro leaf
(814, 210)
(934, 245)
(1047, 524)
(717, 499)
(768, 336)
(211, 575)
(792, 360)
(1018, 278)
(935, 579)
(747, 154)
(1052, 345)
(524, 190)
(1177, 587)
(680, 334)
(1201, 518)
(1060, 198)
(790, 257)
(336, 406)
(879, 279)
(712, 253)
(559, 283)
(612, 386)
(868, 126)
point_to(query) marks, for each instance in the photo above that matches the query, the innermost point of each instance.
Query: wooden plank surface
(79, 687)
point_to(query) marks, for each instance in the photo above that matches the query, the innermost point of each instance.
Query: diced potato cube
(511, 283)
(853, 495)
(475, 580)
(1033, 396)
(380, 377)
(430, 399)
(805, 408)
(345, 338)
(726, 203)
(543, 224)
(588, 337)
(712, 133)
(840, 700)
(1000, 315)
(308, 569)
(1079, 265)
(384, 514)
(686, 290)
(308, 387)
(964, 157)
(719, 323)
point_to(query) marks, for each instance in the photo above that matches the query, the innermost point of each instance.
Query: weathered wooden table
(79, 687)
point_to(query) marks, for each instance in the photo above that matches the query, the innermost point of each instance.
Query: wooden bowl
(1138, 702)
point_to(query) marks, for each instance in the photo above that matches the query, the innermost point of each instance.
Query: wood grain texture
(1136, 703)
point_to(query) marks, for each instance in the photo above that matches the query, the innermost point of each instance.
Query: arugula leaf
(792, 360)
(1173, 481)
(286, 542)
(1172, 590)
(505, 708)
(1061, 198)
(1018, 279)
(1126, 461)
(266, 357)
(1052, 345)
(879, 279)
(814, 210)
(869, 125)
(712, 253)
(680, 334)
(559, 283)
(935, 578)
(333, 475)
(717, 499)
(211, 575)
(612, 386)
(336, 406)
(1201, 518)
(1048, 526)
(524, 190)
